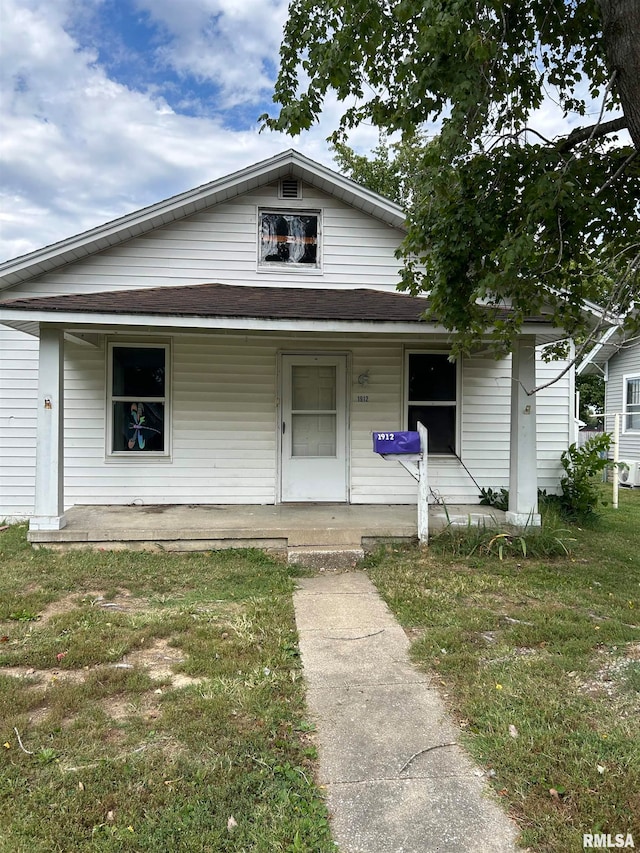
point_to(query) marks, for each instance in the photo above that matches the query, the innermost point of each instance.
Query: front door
(314, 428)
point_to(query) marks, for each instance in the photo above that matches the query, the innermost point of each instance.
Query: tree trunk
(621, 33)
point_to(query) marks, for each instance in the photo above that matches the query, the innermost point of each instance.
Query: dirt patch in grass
(608, 680)
(158, 659)
(633, 651)
(44, 678)
(38, 716)
(415, 634)
(66, 604)
(146, 705)
(123, 602)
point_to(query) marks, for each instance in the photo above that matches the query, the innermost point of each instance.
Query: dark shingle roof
(223, 300)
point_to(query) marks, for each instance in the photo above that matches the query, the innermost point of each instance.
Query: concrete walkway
(378, 720)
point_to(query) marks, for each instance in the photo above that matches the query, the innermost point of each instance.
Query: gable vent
(290, 188)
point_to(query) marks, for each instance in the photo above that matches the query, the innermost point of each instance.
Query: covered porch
(220, 475)
(304, 533)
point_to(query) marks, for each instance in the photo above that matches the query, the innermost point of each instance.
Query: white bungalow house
(238, 344)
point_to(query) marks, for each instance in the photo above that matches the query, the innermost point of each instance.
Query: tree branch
(593, 131)
(516, 133)
(618, 172)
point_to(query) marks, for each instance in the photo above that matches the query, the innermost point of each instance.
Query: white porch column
(523, 475)
(49, 504)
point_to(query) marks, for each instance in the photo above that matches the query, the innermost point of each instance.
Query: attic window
(290, 188)
(289, 238)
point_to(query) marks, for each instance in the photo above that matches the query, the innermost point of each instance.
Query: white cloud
(228, 42)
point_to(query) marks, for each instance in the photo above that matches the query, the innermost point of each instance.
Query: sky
(107, 106)
(110, 105)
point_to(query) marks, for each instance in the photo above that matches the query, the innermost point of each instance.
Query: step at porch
(325, 557)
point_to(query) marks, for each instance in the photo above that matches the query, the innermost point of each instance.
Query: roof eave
(30, 320)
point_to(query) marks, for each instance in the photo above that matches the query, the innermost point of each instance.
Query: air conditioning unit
(629, 473)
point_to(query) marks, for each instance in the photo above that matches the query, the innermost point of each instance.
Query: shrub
(580, 497)
(497, 498)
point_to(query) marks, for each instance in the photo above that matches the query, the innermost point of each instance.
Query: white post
(423, 488)
(523, 475)
(49, 502)
(616, 458)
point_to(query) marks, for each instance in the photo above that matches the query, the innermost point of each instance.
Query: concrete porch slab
(204, 527)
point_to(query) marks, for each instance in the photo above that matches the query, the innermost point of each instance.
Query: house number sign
(363, 398)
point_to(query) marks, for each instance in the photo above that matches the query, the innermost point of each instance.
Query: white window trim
(457, 403)
(149, 455)
(290, 269)
(628, 377)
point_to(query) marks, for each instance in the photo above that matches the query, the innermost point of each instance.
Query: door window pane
(313, 435)
(440, 422)
(313, 388)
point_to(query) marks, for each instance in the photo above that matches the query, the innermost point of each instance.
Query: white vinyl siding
(484, 418)
(486, 421)
(18, 395)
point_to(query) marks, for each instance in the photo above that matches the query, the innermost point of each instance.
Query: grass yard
(152, 702)
(540, 662)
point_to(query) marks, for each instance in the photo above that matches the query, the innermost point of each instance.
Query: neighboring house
(238, 344)
(618, 361)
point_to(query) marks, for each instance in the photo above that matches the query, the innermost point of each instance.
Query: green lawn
(540, 662)
(152, 703)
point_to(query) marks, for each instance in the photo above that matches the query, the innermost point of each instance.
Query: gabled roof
(289, 163)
